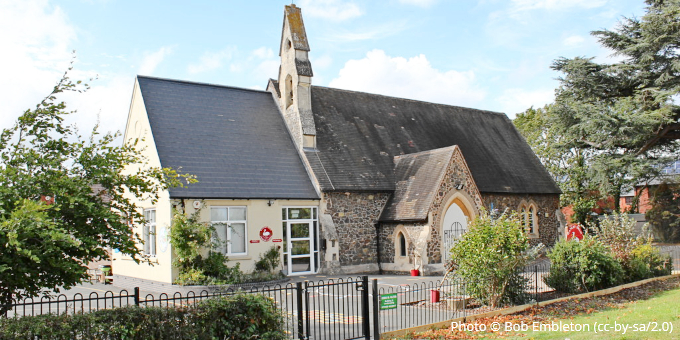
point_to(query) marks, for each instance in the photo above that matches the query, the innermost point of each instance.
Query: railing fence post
(136, 296)
(365, 311)
(300, 325)
(376, 311)
(536, 283)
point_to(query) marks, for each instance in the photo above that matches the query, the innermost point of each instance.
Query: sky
(485, 54)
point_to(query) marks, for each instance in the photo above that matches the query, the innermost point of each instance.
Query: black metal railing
(349, 308)
(410, 305)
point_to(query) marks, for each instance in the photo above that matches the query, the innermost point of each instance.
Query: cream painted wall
(259, 215)
(138, 127)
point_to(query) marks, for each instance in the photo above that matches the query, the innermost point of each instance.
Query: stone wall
(355, 215)
(456, 172)
(547, 204)
(388, 248)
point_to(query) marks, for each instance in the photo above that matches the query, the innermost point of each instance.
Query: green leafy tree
(621, 117)
(567, 165)
(664, 217)
(52, 222)
(490, 257)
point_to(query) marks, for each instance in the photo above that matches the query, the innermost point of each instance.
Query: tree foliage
(52, 221)
(568, 166)
(192, 242)
(490, 257)
(664, 217)
(582, 266)
(618, 121)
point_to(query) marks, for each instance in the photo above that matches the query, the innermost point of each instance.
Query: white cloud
(210, 61)
(263, 53)
(413, 78)
(335, 10)
(420, 3)
(153, 59)
(107, 102)
(574, 40)
(524, 5)
(37, 41)
(517, 100)
(267, 64)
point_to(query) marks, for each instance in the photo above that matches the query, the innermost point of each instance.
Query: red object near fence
(574, 232)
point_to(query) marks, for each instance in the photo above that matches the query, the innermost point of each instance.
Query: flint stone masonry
(355, 215)
(547, 204)
(388, 239)
(456, 172)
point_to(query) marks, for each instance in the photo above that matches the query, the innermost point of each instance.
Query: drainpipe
(377, 244)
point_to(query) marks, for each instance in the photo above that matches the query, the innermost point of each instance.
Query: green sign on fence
(388, 301)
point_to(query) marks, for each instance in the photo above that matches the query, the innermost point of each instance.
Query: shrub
(638, 258)
(237, 317)
(582, 266)
(190, 238)
(647, 261)
(269, 261)
(665, 213)
(490, 257)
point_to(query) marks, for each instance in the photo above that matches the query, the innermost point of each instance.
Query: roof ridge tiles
(201, 84)
(411, 100)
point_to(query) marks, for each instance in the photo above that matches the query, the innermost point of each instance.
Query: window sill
(239, 257)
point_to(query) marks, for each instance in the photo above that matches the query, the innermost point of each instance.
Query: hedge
(242, 316)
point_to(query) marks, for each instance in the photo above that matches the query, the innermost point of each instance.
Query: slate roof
(418, 176)
(234, 140)
(358, 134)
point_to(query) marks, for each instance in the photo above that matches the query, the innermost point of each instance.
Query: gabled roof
(358, 134)
(234, 140)
(418, 176)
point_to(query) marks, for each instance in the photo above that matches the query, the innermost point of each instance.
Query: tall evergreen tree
(623, 117)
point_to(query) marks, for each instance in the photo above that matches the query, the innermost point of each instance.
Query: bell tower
(295, 79)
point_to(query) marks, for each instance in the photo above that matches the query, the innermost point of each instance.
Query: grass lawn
(661, 311)
(654, 305)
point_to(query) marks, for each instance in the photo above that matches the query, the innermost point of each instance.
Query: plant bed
(573, 310)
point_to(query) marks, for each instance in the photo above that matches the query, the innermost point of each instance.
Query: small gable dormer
(293, 89)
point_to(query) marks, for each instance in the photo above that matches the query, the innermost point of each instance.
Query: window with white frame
(149, 236)
(230, 229)
(528, 214)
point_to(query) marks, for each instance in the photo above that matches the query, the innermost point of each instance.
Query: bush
(647, 262)
(189, 239)
(638, 258)
(665, 213)
(237, 317)
(490, 257)
(582, 266)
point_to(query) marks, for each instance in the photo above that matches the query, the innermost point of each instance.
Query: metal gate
(333, 309)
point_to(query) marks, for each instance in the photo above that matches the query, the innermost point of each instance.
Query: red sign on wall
(254, 241)
(266, 234)
(277, 240)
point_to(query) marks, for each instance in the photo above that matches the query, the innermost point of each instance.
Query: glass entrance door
(301, 250)
(300, 242)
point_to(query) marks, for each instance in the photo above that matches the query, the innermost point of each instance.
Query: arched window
(288, 91)
(402, 244)
(531, 218)
(528, 214)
